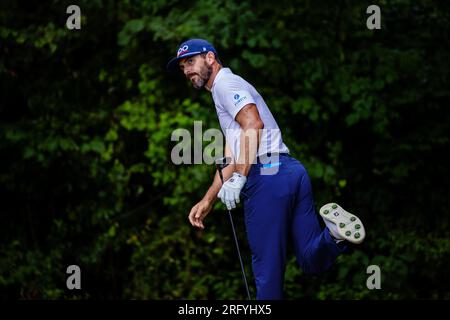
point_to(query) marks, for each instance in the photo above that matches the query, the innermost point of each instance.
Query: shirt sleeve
(233, 97)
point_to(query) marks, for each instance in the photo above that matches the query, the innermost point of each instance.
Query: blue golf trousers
(278, 206)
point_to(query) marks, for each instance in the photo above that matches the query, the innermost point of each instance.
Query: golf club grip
(220, 174)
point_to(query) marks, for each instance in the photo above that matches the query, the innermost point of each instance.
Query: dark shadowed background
(86, 118)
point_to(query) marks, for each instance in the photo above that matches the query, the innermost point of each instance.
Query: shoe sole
(348, 225)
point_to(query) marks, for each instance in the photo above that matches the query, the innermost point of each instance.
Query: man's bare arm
(251, 125)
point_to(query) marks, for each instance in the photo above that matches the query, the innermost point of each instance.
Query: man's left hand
(229, 193)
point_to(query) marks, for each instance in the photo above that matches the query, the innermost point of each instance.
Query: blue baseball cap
(190, 48)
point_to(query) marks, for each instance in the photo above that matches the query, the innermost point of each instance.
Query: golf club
(220, 164)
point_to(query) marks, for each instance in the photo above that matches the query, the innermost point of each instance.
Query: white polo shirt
(231, 93)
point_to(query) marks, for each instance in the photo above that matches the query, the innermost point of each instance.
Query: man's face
(197, 70)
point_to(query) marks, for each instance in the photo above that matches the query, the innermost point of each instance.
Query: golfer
(275, 187)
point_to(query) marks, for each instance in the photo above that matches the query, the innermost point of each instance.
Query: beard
(202, 77)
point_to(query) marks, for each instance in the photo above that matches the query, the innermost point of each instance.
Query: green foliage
(85, 135)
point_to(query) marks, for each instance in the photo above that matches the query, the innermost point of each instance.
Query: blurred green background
(86, 118)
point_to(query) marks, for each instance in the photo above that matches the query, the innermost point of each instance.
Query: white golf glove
(229, 193)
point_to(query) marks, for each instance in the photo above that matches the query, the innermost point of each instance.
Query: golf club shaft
(237, 244)
(239, 255)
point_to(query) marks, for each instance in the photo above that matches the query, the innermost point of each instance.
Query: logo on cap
(236, 96)
(182, 50)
